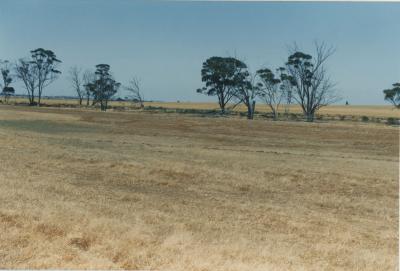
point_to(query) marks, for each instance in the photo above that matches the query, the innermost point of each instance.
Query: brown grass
(83, 189)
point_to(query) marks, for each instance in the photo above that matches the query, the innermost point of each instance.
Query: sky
(164, 43)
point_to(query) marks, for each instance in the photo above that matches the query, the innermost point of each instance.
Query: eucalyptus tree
(246, 92)
(392, 95)
(26, 72)
(274, 88)
(88, 77)
(7, 78)
(104, 87)
(45, 65)
(311, 84)
(222, 76)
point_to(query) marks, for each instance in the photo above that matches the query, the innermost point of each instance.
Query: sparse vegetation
(86, 190)
(275, 172)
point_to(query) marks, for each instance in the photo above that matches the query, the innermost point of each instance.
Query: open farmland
(355, 111)
(136, 190)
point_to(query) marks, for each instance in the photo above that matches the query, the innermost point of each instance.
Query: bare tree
(135, 91)
(311, 84)
(88, 77)
(76, 79)
(26, 72)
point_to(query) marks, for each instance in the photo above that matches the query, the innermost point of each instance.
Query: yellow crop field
(383, 111)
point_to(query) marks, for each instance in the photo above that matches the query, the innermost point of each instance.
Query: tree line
(42, 69)
(302, 79)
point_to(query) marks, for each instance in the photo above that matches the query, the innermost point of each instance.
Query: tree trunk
(250, 110)
(31, 100)
(274, 115)
(103, 107)
(39, 98)
(222, 109)
(310, 116)
(80, 100)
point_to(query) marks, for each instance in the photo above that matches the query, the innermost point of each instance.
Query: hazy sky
(164, 43)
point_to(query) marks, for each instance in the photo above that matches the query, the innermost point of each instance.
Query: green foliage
(222, 77)
(364, 118)
(38, 72)
(6, 90)
(393, 95)
(5, 73)
(104, 87)
(311, 85)
(274, 88)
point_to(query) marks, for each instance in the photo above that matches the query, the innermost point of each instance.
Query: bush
(364, 118)
(392, 121)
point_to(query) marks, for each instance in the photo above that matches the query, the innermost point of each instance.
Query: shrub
(364, 118)
(392, 121)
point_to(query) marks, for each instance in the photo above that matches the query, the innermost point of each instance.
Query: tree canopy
(312, 86)
(104, 87)
(393, 95)
(222, 76)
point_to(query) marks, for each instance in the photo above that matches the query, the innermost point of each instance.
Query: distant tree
(88, 77)
(26, 72)
(312, 87)
(222, 75)
(393, 95)
(273, 89)
(45, 65)
(104, 87)
(76, 79)
(7, 91)
(135, 91)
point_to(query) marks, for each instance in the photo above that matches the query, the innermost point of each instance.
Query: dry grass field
(382, 111)
(140, 190)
